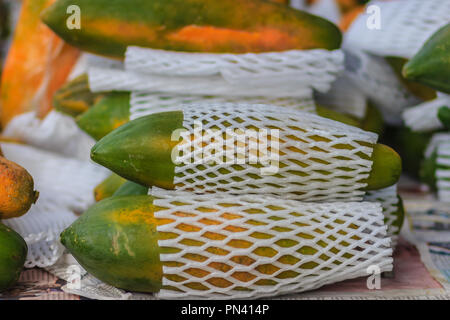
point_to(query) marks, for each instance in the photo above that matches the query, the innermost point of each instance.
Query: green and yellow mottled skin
(108, 187)
(226, 26)
(116, 242)
(419, 90)
(141, 151)
(105, 116)
(431, 65)
(444, 116)
(141, 147)
(13, 252)
(75, 97)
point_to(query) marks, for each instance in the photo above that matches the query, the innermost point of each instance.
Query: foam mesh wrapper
(243, 246)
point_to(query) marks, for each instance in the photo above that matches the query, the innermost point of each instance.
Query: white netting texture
(443, 172)
(251, 247)
(254, 148)
(424, 117)
(388, 198)
(404, 26)
(376, 79)
(145, 103)
(65, 186)
(281, 74)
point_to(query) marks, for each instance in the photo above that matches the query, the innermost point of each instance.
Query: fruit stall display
(116, 98)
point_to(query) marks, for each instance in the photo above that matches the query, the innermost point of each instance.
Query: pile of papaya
(17, 195)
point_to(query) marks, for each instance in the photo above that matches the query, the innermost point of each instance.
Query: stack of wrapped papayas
(167, 224)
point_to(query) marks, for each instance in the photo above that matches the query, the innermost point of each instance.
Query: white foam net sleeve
(377, 80)
(65, 187)
(242, 247)
(424, 117)
(344, 96)
(282, 74)
(145, 103)
(405, 26)
(313, 158)
(443, 171)
(388, 198)
(309, 67)
(57, 132)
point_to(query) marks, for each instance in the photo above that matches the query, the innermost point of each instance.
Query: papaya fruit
(400, 215)
(75, 97)
(108, 114)
(419, 90)
(108, 27)
(130, 188)
(428, 170)
(17, 193)
(108, 187)
(141, 151)
(431, 66)
(116, 241)
(444, 116)
(372, 121)
(13, 252)
(38, 64)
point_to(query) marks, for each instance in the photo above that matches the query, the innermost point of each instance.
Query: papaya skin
(444, 116)
(108, 114)
(17, 193)
(75, 97)
(141, 151)
(130, 188)
(419, 90)
(146, 146)
(337, 116)
(431, 65)
(13, 252)
(116, 241)
(108, 187)
(109, 26)
(386, 168)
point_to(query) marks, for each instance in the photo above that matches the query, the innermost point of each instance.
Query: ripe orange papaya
(108, 27)
(38, 63)
(16, 190)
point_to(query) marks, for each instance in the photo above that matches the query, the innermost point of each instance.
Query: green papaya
(108, 187)
(108, 114)
(75, 97)
(116, 241)
(13, 253)
(400, 215)
(108, 27)
(372, 121)
(444, 116)
(419, 90)
(141, 151)
(337, 116)
(431, 65)
(130, 188)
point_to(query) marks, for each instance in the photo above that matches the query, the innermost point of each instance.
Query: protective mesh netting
(237, 148)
